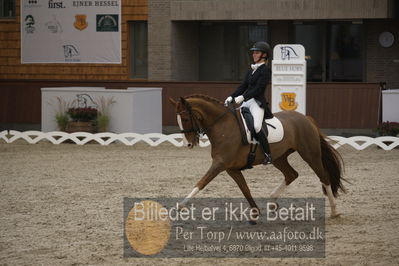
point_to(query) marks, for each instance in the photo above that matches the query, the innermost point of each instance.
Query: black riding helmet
(264, 47)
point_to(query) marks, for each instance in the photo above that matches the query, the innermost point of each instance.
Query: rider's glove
(228, 100)
(239, 99)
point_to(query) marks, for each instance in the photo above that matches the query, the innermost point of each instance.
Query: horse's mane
(205, 97)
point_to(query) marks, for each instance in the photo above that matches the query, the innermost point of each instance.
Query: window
(224, 49)
(138, 49)
(7, 9)
(345, 53)
(334, 50)
(311, 37)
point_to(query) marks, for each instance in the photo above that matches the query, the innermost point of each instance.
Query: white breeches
(256, 111)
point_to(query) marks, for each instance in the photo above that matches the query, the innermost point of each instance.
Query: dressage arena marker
(154, 139)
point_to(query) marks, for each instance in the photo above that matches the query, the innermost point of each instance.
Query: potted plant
(61, 114)
(388, 129)
(82, 119)
(103, 116)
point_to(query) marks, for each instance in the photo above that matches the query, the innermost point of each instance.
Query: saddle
(272, 128)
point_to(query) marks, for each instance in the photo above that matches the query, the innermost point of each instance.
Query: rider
(252, 93)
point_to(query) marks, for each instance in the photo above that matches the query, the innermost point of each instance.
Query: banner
(66, 31)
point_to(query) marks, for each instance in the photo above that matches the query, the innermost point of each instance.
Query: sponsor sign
(289, 78)
(63, 31)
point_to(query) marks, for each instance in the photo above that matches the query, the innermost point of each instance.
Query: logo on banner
(70, 51)
(54, 26)
(80, 22)
(107, 23)
(52, 4)
(29, 22)
(31, 4)
(288, 101)
(287, 53)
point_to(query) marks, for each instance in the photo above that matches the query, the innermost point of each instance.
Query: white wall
(390, 105)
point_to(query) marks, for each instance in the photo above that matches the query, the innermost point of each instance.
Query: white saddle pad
(276, 133)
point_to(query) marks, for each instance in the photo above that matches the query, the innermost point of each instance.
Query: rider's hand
(228, 100)
(239, 99)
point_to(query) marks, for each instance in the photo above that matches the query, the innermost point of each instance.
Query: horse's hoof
(252, 222)
(335, 215)
(181, 206)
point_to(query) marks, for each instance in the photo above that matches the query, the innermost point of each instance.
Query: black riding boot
(260, 136)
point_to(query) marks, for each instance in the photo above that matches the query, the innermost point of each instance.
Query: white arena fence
(154, 139)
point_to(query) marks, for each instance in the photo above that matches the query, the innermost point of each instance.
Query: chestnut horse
(197, 114)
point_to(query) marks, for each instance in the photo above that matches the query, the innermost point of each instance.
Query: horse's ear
(173, 102)
(183, 101)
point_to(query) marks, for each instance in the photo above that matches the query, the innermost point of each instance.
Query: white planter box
(137, 110)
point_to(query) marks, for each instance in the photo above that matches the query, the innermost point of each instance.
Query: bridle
(196, 125)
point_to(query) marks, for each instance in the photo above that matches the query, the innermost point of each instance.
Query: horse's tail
(332, 163)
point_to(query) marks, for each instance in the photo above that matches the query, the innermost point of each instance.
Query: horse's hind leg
(289, 174)
(314, 161)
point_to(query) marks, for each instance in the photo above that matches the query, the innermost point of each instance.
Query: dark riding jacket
(254, 86)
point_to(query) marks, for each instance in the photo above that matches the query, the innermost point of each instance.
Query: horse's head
(188, 120)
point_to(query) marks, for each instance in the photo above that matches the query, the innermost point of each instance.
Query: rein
(196, 127)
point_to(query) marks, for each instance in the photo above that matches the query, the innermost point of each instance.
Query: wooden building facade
(181, 43)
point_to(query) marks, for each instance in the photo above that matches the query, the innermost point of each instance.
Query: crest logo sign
(80, 22)
(288, 101)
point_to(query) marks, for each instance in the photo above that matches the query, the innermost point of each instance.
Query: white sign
(289, 78)
(66, 31)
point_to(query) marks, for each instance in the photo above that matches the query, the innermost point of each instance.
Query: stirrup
(267, 159)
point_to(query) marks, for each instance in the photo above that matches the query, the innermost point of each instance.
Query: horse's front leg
(213, 171)
(242, 184)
